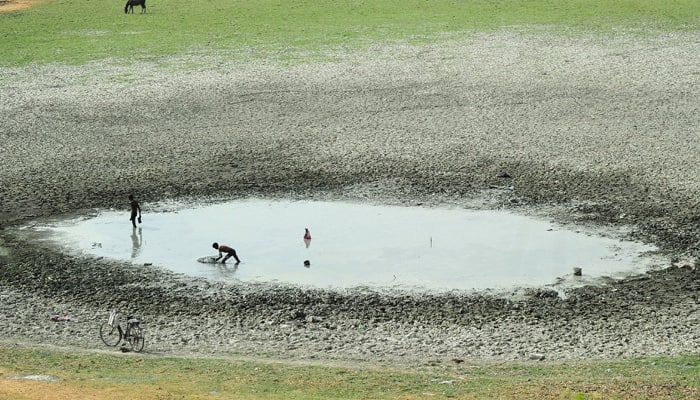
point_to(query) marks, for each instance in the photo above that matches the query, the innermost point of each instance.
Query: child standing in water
(307, 237)
(135, 210)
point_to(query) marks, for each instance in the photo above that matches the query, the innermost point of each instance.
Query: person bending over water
(230, 252)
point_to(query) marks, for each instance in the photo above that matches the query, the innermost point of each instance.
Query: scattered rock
(685, 263)
(61, 318)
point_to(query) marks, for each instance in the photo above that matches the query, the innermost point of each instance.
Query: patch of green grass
(79, 31)
(142, 377)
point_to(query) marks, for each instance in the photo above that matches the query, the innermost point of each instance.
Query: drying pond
(355, 245)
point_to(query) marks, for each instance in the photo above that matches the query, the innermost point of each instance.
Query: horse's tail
(126, 7)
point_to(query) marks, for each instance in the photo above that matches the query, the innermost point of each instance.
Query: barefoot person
(135, 210)
(225, 249)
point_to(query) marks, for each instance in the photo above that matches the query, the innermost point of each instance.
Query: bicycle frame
(112, 333)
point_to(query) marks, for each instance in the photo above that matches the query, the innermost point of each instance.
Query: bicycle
(112, 333)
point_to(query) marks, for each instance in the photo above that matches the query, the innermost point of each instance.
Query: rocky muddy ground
(599, 132)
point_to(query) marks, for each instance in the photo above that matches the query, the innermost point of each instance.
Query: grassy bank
(78, 31)
(56, 374)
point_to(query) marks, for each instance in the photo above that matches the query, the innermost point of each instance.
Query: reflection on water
(359, 245)
(226, 269)
(136, 241)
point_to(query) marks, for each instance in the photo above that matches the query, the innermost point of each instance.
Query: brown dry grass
(33, 390)
(14, 5)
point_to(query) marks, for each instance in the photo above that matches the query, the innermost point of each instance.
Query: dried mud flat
(594, 131)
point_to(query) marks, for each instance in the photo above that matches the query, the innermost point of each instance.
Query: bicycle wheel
(135, 338)
(110, 335)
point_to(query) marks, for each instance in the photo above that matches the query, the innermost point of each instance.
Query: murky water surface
(357, 245)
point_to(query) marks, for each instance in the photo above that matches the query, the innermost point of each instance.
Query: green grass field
(115, 376)
(79, 31)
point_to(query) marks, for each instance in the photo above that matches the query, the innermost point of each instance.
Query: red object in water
(307, 234)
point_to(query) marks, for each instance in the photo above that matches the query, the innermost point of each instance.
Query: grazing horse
(131, 3)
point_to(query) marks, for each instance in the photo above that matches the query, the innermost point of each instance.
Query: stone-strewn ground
(591, 131)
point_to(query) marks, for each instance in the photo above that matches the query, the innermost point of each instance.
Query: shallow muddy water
(355, 245)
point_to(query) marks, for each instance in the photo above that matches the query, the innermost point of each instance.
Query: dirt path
(14, 5)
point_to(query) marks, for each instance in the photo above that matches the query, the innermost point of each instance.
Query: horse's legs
(131, 3)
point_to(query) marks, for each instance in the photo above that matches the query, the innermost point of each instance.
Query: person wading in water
(230, 252)
(135, 211)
